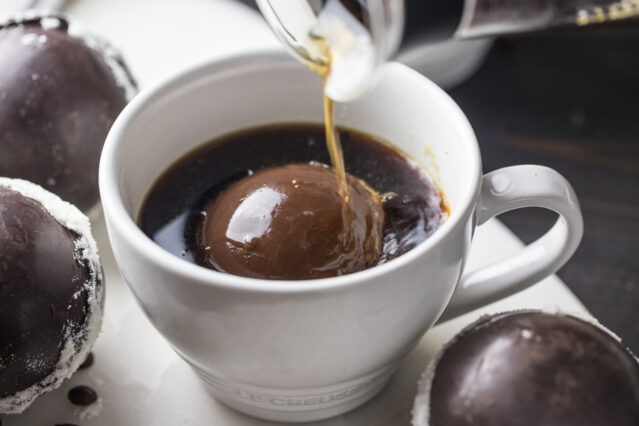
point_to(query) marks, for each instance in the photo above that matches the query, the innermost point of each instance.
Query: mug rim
(122, 222)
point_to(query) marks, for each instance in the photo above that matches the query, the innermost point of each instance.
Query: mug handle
(513, 188)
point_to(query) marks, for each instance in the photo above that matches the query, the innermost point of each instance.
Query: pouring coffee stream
(332, 137)
(363, 34)
(319, 60)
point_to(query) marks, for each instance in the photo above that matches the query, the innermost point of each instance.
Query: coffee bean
(88, 362)
(82, 395)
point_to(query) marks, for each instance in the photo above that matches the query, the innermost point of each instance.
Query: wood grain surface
(571, 102)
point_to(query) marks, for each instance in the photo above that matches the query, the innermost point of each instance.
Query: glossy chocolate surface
(58, 99)
(43, 298)
(290, 222)
(535, 369)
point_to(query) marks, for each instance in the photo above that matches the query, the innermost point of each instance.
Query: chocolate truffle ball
(290, 222)
(58, 100)
(529, 368)
(51, 292)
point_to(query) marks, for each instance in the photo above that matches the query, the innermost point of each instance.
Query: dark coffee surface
(58, 99)
(533, 369)
(175, 202)
(42, 295)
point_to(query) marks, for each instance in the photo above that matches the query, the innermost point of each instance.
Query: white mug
(306, 350)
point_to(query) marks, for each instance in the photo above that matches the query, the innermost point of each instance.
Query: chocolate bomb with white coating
(51, 292)
(530, 368)
(58, 99)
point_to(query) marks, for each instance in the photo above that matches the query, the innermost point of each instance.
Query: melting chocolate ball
(290, 222)
(530, 368)
(58, 99)
(51, 292)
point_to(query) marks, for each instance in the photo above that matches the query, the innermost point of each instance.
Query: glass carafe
(363, 34)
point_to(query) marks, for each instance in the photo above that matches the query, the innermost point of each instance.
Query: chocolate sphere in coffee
(531, 368)
(290, 222)
(58, 99)
(50, 293)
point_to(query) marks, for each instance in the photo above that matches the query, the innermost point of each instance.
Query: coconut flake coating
(530, 368)
(51, 292)
(59, 96)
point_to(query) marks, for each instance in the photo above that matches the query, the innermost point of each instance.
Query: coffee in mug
(263, 203)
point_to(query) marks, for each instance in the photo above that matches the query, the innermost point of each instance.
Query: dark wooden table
(571, 102)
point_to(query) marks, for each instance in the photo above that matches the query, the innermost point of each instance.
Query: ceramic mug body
(294, 350)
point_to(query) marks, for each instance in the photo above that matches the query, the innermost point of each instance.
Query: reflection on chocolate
(287, 223)
(532, 368)
(58, 99)
(50, 297)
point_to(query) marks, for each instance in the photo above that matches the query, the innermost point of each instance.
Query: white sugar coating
(50, 23)
(421, 406)
(52, 20)
(29, 39)
(76, 346)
